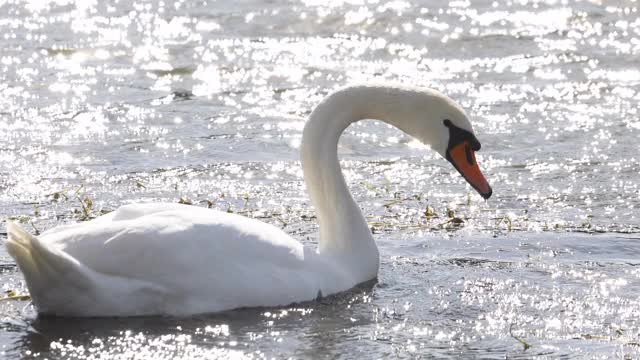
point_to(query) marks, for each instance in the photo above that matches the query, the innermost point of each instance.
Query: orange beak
(463, 159)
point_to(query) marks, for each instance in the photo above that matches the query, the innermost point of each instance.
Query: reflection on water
(106, 103)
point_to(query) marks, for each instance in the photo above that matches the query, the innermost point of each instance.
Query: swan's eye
(475, 144)
(458, 136)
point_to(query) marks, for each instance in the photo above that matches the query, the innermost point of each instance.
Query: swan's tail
(20, 245)
(43, 267)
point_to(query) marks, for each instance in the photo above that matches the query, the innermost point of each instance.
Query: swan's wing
(168, 232)
(170, 242)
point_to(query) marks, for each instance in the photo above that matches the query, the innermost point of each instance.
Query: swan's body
(160, 258)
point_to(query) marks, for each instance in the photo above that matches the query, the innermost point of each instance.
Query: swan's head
(443, 124)
(425, 114)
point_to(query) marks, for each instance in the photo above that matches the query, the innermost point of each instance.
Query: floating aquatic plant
(519, 339)
(14, 295)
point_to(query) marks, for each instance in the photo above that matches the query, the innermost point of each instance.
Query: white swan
(171, 259)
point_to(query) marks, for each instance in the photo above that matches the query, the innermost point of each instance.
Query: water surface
(107, 103)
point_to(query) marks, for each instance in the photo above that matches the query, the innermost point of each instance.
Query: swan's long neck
(344, 232)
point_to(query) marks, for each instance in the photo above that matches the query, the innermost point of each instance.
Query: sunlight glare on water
(108, 103)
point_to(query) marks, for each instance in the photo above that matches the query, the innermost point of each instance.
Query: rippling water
(106, 103)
